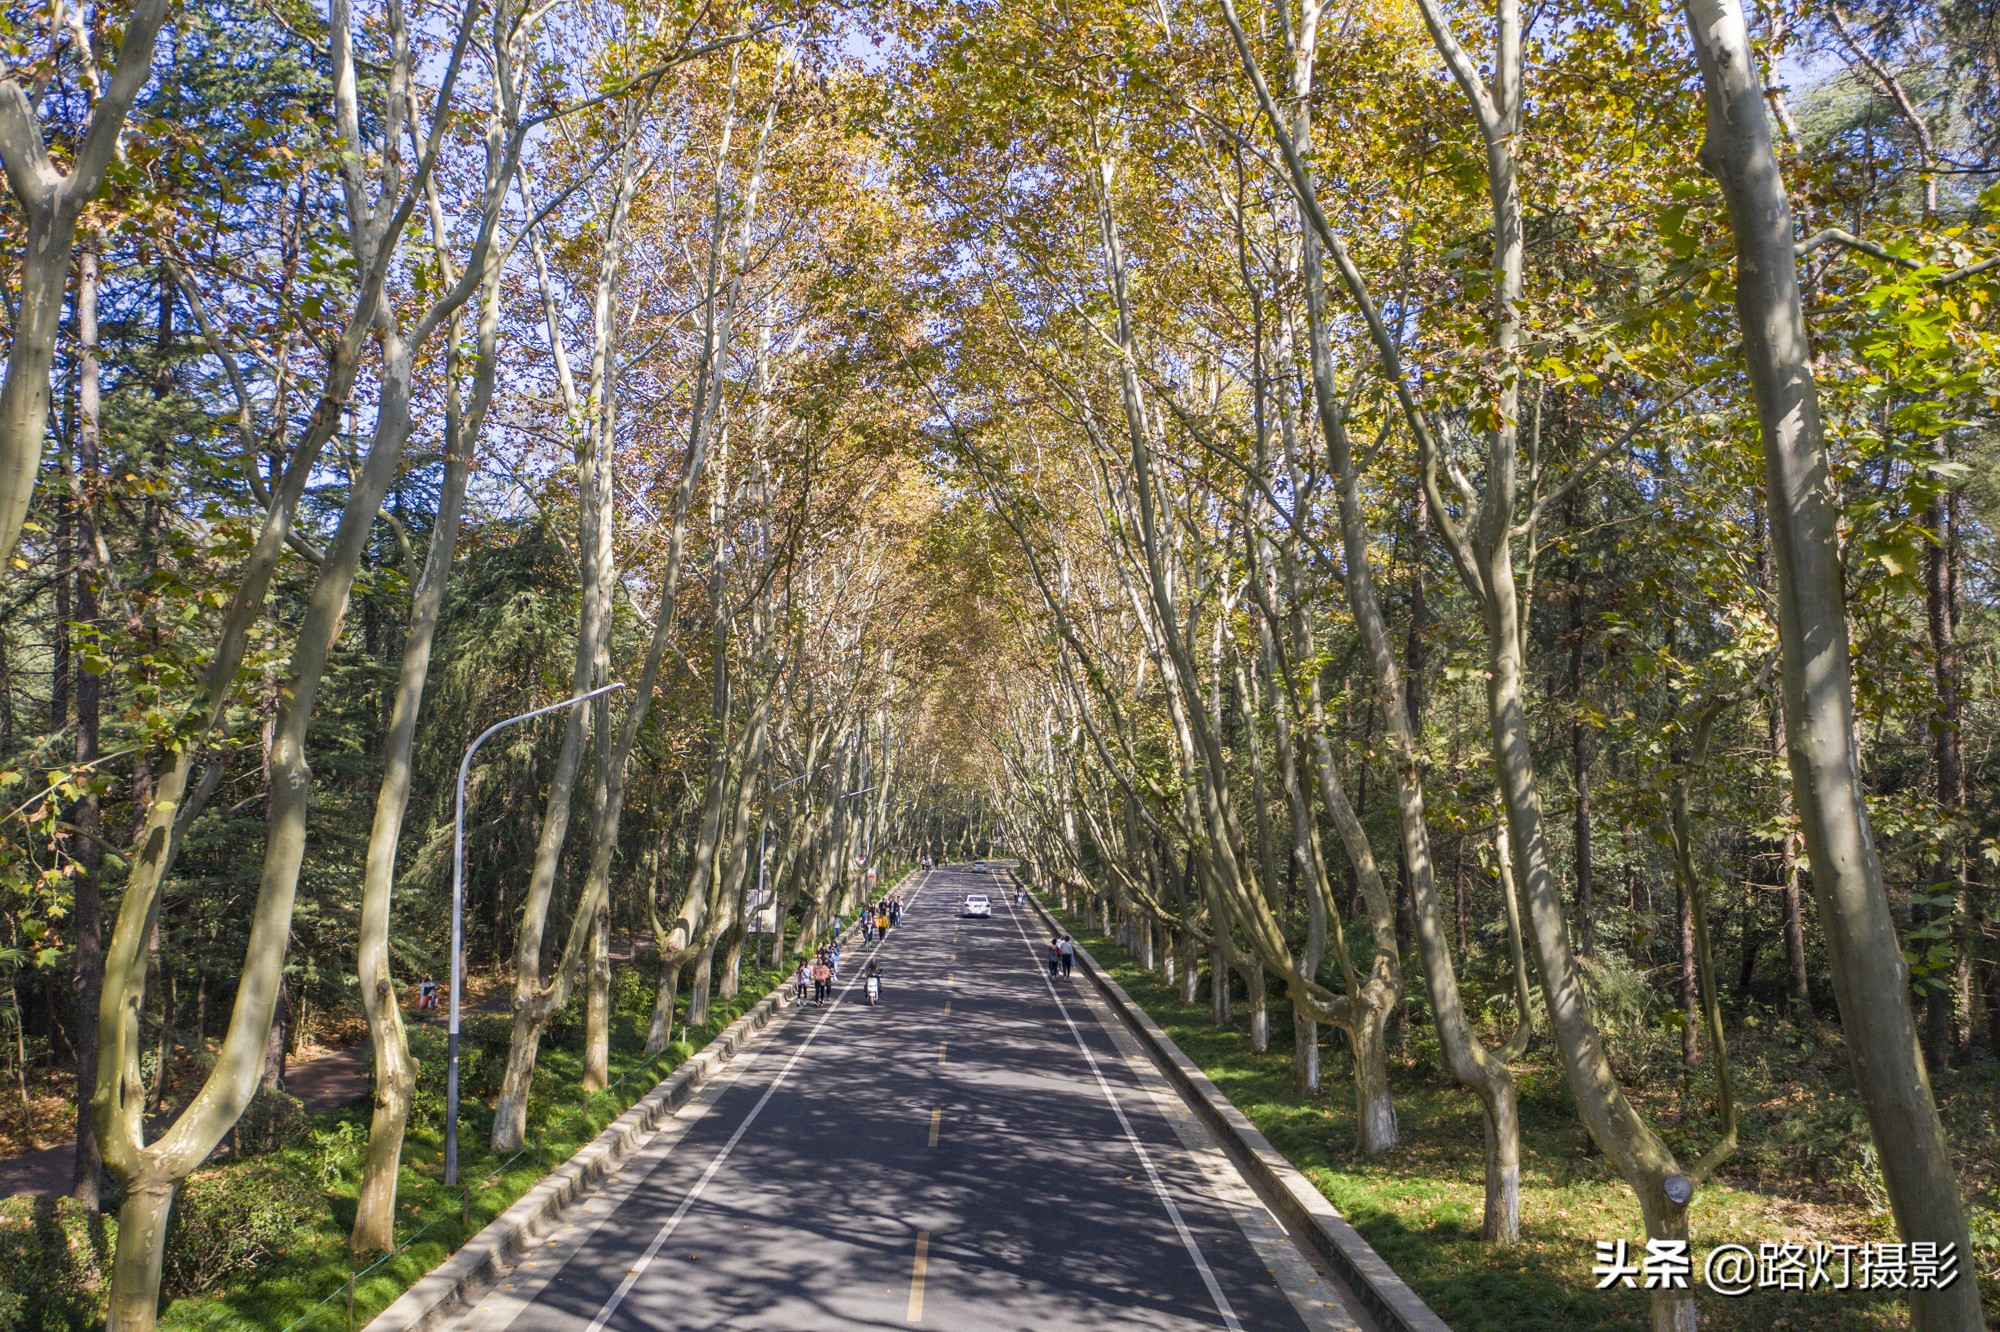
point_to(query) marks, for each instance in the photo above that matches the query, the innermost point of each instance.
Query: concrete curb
(456, 1284)
(1290, 1194)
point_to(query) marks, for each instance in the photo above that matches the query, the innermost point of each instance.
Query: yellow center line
(947, 1008)
(937, 1117)
(940, 1052)
(915, 1313)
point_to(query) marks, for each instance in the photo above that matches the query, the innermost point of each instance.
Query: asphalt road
(982, 1151)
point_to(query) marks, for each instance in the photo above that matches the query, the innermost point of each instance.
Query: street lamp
(867, 832)
(458, 920)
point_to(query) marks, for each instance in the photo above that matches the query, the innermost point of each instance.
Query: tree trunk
(1798, 988)
(698, 990)
(1260, 1005)
(137, 1260)
(275, 1040)
(53, 197)
(597, 1003)
(1941, 616)
(662, 1029)
(731, 983)
(1870, 978)
(1579, 760)
(87, 905)
(1684, 979)
(395, 1072)
(1375, 1132)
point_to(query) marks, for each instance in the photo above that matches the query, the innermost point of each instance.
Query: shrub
(227, 1221)
(55, 1265)
(632, 990)
(272, 1120)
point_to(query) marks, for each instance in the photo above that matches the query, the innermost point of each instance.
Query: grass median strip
(1421, 1206)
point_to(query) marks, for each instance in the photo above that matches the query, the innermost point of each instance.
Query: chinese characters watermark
(1738, 1269)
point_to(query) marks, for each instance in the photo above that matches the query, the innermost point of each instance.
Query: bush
(566, 1024)
(227, 1221)
(482, 1059)
(55, 1265)
(272, 1120)
(632, 989)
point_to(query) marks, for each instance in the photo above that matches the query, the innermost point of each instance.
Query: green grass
(305, 1286)
(1421, 1207)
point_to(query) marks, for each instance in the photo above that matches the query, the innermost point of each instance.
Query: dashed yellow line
(915, 1312)
(941, 1046)
(947, 1008)
(937, 1117)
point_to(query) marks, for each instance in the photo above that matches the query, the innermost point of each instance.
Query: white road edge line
(694, 1194)
(1222, 1305)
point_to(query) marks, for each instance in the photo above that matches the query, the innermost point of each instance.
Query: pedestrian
(833, 959)
(1068, 951)
(822, 981)
(799, 982)
(1055, 956)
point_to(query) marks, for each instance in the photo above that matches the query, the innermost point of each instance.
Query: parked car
(977, 904)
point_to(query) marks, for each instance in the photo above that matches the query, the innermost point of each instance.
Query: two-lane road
(982, 1151)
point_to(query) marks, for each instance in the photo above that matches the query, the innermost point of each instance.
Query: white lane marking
(1222, 1305)
(694, 1194)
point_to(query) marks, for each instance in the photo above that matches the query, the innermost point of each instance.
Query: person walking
(1055, 956)
(800, 980)
(822, 981)
(1067, 950)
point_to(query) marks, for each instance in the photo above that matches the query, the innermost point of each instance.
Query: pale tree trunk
(52, 198)
(395, 1072)
(151, 1172)
(1486, 558)
(698, 988)
(535, 1002)
(591, 420)
(597, 1003)
(1259, 1003)
(1871, 981)
(1471, 1064)
(1375, 999)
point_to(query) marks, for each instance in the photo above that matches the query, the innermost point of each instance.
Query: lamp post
(867, 832)
(458, 920)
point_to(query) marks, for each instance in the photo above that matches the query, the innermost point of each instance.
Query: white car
(979, 867)
(977, 904)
